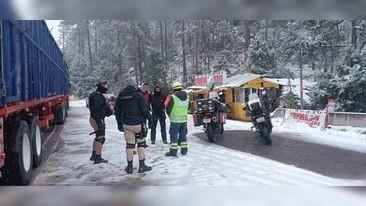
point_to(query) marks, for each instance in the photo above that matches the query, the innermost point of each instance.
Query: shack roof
(281, 81)
(195, 87)
(240, 80)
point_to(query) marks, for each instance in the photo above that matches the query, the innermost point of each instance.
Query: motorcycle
(211, 114)
(258, 110)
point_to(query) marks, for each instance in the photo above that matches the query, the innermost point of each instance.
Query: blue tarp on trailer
(32, 65)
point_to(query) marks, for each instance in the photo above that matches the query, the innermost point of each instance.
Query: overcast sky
(53, 27)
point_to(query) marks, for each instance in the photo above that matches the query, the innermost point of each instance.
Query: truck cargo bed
(32, 65)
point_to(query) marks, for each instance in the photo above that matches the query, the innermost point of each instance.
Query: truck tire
(19, 161)
(37, 143)
(60, 115)
(67, 107)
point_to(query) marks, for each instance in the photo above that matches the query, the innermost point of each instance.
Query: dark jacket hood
(182, 95)
(128, 90)
(101, 89)
(157, 93)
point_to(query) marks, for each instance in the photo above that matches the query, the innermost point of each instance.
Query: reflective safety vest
(180, 110)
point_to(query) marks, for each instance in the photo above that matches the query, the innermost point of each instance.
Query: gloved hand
(120, 128)
(150, 125)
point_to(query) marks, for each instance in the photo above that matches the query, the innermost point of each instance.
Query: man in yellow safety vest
(177, 106)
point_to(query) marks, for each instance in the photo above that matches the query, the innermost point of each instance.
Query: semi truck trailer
(34, 91)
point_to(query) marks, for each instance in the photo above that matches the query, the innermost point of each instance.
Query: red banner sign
(310, 117)
(202, 80)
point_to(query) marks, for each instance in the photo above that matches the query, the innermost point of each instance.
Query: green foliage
(263, 59)
(347, 88)
(154, 73)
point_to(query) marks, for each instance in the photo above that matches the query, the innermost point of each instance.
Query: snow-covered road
(205, 164)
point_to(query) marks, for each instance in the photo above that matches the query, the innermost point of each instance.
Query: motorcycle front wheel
(265, 135)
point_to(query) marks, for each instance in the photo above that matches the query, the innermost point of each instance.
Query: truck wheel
(60, 115)
(19, 159)
(24, 154)
(36, 136)
(67, 108)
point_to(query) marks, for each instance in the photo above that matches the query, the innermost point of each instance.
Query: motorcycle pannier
(197, 120)
(222, 118)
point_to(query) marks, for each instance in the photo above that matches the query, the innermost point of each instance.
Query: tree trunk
(266, 32)
(162, 71)
(135, 55)
(139, 55)
(184, 54)
(119, 54)
(89, 46)
(82, 30)
(95, 37)
(354, 33)
(166, 46)
(247, 24)
(196, 53)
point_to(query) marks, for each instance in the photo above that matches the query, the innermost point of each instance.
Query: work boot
(143, 168)
(98, 159)
(152, 142)
(183, 151)
(171, 153)
(92, 158)
(129, 168)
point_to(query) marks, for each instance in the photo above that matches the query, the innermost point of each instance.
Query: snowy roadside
(205, 164)
(349, 138)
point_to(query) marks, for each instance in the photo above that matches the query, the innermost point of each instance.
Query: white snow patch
(350, 139)
(78, 103)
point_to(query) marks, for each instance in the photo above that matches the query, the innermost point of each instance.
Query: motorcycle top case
(205, 105)
(31, 63)
(255, 107)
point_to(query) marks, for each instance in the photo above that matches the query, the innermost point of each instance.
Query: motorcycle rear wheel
(210, 133)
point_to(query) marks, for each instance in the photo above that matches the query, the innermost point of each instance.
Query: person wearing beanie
(99, 109)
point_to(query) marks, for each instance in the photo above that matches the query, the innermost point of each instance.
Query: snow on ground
(78, 103)
(182, 196)
(205, 164)
(349, 138)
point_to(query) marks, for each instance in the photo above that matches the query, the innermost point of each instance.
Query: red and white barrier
(312, 118)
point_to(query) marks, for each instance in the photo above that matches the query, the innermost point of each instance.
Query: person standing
(131, 114)
(144, 88)
(177, 106)
(99, 109)
(158, 115)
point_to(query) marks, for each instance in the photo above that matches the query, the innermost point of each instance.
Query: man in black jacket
(131, 112)
(99, 109)
(158, 114)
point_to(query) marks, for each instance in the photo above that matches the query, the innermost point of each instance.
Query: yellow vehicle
(238, 88)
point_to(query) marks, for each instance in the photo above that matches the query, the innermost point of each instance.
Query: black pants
(161, 119)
